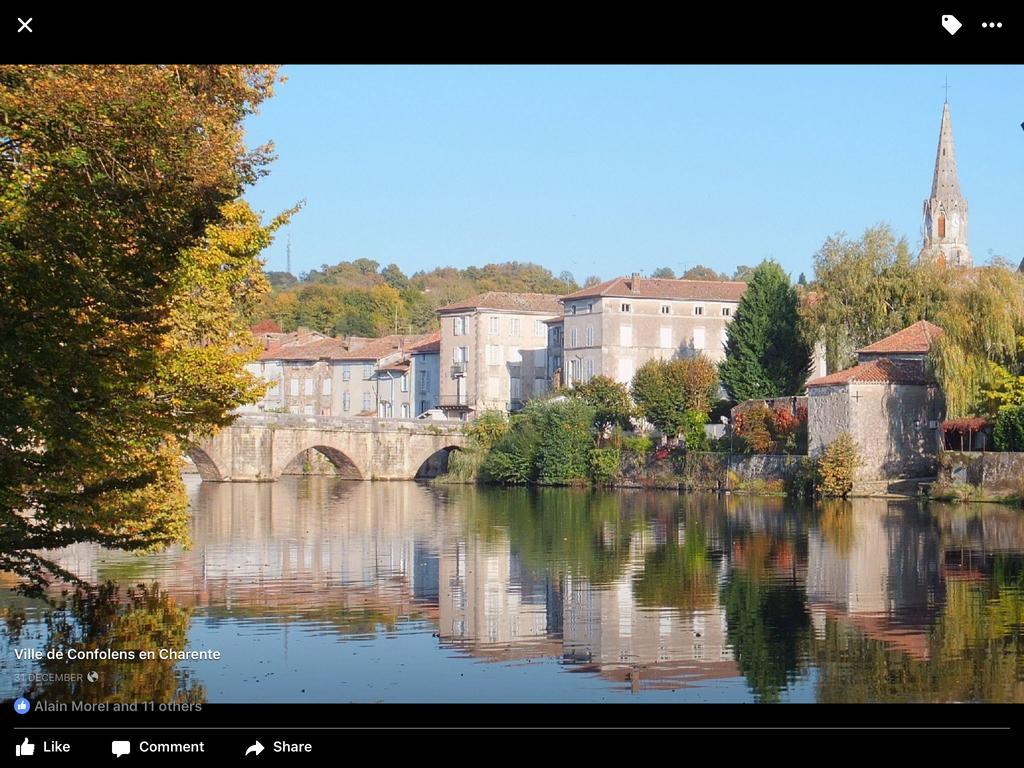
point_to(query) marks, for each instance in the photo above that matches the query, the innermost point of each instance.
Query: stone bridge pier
(258, 448)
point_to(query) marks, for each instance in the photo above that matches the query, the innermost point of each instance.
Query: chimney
(633, 280)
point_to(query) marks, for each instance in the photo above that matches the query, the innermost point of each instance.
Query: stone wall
(710, 471)
(994, 475)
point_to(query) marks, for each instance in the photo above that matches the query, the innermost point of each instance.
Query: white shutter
(698, 338)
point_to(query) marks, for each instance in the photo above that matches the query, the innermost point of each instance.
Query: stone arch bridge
(259, 447)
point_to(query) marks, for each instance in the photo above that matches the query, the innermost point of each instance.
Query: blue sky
(608, 170)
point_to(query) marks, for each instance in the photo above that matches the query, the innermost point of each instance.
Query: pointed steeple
(946, 182)
(945, 212)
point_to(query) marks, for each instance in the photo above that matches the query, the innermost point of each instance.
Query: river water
(316, 589)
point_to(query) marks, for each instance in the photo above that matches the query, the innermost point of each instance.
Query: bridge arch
(432, 463)
(345, 466)
(209, 470)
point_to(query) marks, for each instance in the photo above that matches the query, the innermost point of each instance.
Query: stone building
(889, 403)
(945, 211)
(425, 357)
(375, 379)
(612, 328)
(314, 375)
(493, 351)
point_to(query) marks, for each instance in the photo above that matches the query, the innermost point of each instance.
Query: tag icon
(951, 23)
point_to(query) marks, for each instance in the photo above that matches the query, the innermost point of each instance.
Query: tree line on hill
(362, 298)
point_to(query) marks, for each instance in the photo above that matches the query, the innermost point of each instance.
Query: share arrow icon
(257, 748)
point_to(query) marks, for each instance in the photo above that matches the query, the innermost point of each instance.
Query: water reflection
(648, 593)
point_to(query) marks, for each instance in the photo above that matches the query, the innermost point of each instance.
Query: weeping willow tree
(983, 347)
(866, 289)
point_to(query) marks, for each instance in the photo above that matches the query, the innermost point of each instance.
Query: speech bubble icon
(118, 748)
(951, 23)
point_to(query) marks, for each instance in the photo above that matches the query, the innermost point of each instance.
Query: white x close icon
(24, 24)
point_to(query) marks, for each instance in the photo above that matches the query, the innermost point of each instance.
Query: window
(367, 370)
(423, 406)
(325, 386)
(590, 370)
(625, 308)
(367, 401)
(293, 409)
(461, 354)
(514, 326)
(574, 371)
(625, 369)
(726, 311)
(539, 329)
(590, 335)
(625, 335)
(666, 337)
(293, 388)
(307, 410)
(424, 380)
(698, 338)
(346, 372)
(405, 410)
(459, 326)
(493, 354)
(517, 388)
(494, 326)
(307, 388)
(572, 309)
(573, 337)
(346, 401)
(405, 382)
(698, 309)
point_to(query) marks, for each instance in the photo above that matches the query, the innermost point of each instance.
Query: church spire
(945, 212)
(946, 182)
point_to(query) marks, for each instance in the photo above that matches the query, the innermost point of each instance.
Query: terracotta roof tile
(430, 344)
(917, 338)
(883, 371)
(546, 303)
(661, 288)
(337, 349)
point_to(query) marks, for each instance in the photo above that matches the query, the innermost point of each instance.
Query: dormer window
(625, 308)
(699, 309)
(666, 309)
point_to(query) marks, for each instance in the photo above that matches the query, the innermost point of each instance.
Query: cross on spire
(946, 87)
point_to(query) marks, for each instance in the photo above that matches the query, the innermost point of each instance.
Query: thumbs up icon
(24, 749)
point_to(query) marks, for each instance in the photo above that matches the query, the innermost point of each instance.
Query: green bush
(637, 444)
(695, 437)
(513, 457)
(1008, 433)
(604, 464)
(837, 467)
(566, 438)
(802, 478)
(487, 429)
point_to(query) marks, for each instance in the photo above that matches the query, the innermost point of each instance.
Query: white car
(433, 414)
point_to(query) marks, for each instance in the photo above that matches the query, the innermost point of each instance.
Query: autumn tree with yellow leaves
(128, 264)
